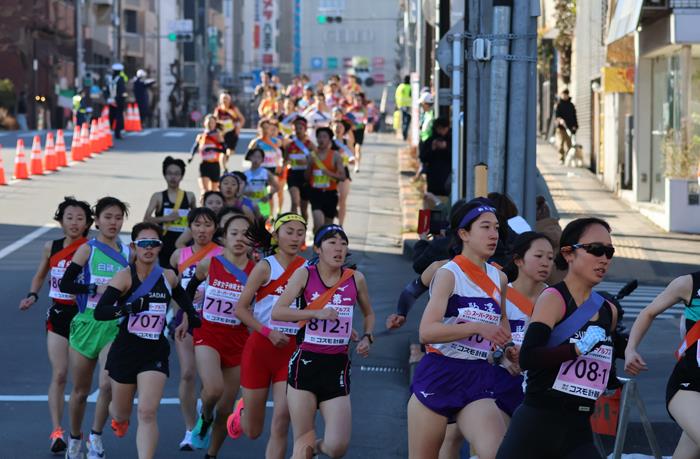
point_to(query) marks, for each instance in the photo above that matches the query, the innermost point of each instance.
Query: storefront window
(666, 117)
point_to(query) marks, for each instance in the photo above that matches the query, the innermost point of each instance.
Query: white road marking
(91, 399)
(174, 134)
(640, 298)
(26, 239)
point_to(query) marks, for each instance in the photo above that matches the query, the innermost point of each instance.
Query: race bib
(475, 347)
(148, 324)
(331, 332)
(517, 331)
(227, 124)
(586, 376)
(220, 306)
(97, 280)
(180, 224)
(288, 328)
(54, 280)
(321, 180)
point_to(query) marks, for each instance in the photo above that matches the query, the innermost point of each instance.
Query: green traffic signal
(172, 36)
(321, 19)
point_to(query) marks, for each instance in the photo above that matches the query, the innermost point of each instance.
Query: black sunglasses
(596, 249)
(148, 243)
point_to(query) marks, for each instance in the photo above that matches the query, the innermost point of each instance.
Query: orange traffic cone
(2, 169)
(137, 119)
(94, 147)
(105, 112)
(61, 149)
(76, 146)
(110, 139)
(127, 118)
(86, 152)
(102, 128)
(50, 160)
(36, 165)
(21, 171)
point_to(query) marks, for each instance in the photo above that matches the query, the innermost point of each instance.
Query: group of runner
(308, 137)
(515, 366)
(246, 309)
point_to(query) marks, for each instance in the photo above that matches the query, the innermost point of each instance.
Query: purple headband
(474, 214)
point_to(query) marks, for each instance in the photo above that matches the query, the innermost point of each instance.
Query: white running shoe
(186, 443)
(74, 450)
(95, 448)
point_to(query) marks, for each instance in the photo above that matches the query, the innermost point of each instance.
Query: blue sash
(347, 149)
(567, 328)
(110, 252)
(147, 284)
(301, 146)
(233, 269)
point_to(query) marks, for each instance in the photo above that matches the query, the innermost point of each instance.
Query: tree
(565, 24)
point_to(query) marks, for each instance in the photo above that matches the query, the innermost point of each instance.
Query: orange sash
(197, 256)
(479, 277)
(520, 301)
(321, 302)
(270, 288)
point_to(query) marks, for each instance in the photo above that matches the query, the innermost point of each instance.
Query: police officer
(116, 98)
(141, 85)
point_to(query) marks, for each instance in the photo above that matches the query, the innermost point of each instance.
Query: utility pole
(79, 45)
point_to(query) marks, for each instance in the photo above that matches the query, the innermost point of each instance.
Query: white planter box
(680, 216)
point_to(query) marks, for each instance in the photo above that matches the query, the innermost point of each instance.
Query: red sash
(691, 338)
(270, 288)
(66, 251)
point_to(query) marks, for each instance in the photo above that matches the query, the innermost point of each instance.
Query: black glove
(138, 305)
(193, 319)
(92, 290)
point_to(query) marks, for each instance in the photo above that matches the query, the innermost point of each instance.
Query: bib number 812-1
(326, 328)
(583, 369)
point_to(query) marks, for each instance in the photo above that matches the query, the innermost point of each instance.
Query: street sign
(443, 53)
(181, 26)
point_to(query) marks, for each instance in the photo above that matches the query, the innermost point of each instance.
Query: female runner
(269, 348)
(213, 200)
(75, 218)
(345, 146)
(683, 388)
(219, 342)
(271, 146)
(232, 192)
(202, 225)
(296, 155)
(260, 180)
(567, 352)
(324, 172)
(210, 145)
(97, 261)
(138, 358)
(231, 120)
(461, 323)
(358, 110)
(327, 295)
(170, 207)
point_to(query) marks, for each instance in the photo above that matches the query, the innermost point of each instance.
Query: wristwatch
(369, 337)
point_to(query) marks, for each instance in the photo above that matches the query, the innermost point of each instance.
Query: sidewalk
(643, 250)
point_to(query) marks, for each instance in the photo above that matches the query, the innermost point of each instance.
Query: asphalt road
(132, 171)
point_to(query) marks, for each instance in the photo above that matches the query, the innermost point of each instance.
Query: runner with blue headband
(462, 323)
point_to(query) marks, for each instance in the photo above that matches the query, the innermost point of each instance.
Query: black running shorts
(327, 376)
(58, 318)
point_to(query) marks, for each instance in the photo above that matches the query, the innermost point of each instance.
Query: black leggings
(541, 433)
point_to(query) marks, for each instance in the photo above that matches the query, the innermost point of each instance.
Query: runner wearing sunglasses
(75, 218)
(461, 323)
(96, 261)
(567, 352)
(138, 296)
(218, 344)
(683, 387)
(202, 226)
(319, 370)
(270, 346)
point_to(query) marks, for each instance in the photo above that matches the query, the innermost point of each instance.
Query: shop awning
(624, 20)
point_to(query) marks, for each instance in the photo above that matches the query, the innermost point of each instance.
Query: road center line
(26, 239)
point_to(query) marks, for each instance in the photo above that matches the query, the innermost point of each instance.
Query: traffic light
(322, 19)
(180, 36)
